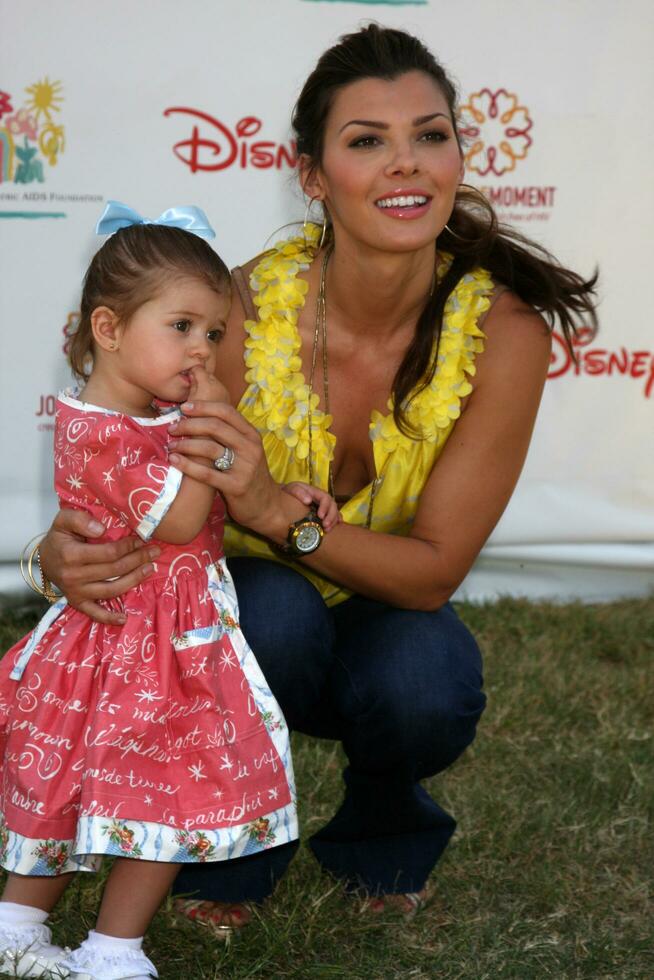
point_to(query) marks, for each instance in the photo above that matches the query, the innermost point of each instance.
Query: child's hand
(205, 387)
(328, 511)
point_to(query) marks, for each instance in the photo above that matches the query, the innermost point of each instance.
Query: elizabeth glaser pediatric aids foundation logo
(32, 141)
(497, 131)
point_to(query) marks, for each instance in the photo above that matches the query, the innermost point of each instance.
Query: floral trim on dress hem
(98, 837)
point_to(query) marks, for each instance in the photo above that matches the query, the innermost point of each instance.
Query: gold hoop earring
(306, 222)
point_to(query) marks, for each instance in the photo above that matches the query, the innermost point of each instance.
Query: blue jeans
(401, 689)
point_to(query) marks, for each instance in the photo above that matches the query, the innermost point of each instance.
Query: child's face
(175, 331)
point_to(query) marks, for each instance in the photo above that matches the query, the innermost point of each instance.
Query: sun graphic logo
(30, 135)
(496, 129)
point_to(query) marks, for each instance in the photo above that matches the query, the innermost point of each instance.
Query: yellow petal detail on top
(277, 399)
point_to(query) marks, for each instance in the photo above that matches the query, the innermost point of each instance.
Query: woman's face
(391, 162)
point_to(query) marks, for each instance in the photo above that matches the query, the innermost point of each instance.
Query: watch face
(307, 538)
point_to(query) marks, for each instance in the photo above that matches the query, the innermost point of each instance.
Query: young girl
(157, 740)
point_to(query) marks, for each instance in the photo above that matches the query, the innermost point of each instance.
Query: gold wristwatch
(304, 536)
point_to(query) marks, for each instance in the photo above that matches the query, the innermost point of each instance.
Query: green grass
(549, 873)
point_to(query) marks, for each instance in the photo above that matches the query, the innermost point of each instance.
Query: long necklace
(320, 331)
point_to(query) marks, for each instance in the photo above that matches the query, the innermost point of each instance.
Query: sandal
(222, 919)
(408, 904)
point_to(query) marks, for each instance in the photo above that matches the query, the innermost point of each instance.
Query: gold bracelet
(48, 590)
(26, 560)
(45, 590)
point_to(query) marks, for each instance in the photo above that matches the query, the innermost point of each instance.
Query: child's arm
(187, 514)
(190, 509)
(328, 511)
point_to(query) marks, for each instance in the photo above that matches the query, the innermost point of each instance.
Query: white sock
(11, 913)
(105, 945)
(102, 940)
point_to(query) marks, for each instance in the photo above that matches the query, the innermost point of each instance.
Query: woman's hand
(253, 498)
(81, 570)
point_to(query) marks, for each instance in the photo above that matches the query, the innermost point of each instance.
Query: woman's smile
(391, 162)
(404, 204)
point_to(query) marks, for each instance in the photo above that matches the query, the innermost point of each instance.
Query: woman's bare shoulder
(518, 339)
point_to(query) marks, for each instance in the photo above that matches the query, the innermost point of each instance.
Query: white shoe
(26, 951)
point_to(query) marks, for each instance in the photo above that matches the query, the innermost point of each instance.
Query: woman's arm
(471, 483)
(463, 499)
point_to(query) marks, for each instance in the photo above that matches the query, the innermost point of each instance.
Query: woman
(356, 636)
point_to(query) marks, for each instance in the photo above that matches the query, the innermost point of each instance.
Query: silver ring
(226, 461)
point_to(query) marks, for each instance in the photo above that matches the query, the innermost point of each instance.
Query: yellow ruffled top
(276, 401)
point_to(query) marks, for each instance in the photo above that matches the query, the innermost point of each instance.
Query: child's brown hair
(129, 270)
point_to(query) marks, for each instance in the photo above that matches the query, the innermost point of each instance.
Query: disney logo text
(597, 361)
(213, 146)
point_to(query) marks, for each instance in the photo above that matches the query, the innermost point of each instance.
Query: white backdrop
(557, 96)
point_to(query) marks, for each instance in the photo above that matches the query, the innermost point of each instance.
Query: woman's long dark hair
(476, 237)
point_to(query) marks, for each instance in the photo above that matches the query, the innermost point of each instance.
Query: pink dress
(158, 739)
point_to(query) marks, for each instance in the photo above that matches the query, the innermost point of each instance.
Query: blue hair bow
(116, 216)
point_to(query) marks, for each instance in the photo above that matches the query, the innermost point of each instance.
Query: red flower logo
(5, 104)
(497, 128)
